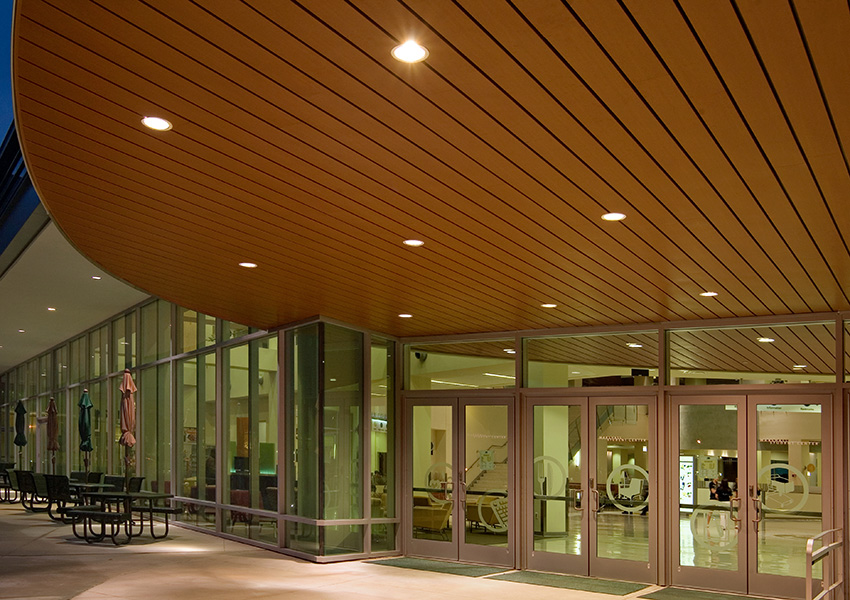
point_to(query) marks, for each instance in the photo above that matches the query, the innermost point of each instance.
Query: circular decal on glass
(777, 483)
(496, 519)
(546, 468)
(629, 491)
(713, 526)
(432, 484)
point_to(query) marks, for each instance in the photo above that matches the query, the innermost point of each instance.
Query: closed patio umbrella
(52, 432)
(85, 428)
(20, 428)
(128, 420)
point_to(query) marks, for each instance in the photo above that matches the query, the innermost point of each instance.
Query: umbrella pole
(53, 460)
(126, 468)
(86, 463)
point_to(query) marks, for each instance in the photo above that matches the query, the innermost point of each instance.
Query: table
(127, 503)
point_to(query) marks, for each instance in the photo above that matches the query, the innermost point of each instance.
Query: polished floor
(41, 560)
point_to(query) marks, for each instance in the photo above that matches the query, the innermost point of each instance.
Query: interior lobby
(567, 292)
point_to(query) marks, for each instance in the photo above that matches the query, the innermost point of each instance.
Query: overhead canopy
(301, 145)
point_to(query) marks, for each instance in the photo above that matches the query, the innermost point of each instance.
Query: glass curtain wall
(99, 456)
(382, 443)
(153, 410)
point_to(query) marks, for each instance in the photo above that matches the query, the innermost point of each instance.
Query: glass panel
(153, 409)
(302, 439)
(196, 475)
(262, 528)
(383, 431)
(199, 515)
(65, 444)
(556, 477)
(753, 355)
(78, 360)
(99, 427)
(622, 480)
(32, 378)
(124, 342)
(231, 330)
(432, 472)
(342, 414)
(789, 476)
(708, 475)
(486, 468)
(45, 373)
(303, 537)
(238, 433)
(383, 537)
(156, 331)
(264, 407)
(195, 330)
(342, 539)
(462, 366)
(98, 351)
(615, 359)
(60, 364)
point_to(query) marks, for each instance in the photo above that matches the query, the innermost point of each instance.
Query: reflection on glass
(99, 427)
(98, 351)
(622, 480)
(261, 528)
(609, 359)
(708, 473)
(196, 453)
(124, 342)
(462, 365)
(432, 472)
(153, 419)
(486, 475)
(555, 478)
(789, 482)
(382, 437)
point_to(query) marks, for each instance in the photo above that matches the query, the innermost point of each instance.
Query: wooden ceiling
(300, 144)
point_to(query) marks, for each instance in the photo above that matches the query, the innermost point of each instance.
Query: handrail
(828, 583)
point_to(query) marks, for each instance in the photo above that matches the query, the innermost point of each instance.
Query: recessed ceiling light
(414, 243)
(548, 305)
(51, 309)
(156, 123)
(708, 294)
(510, 350)
(21, 331)
(613, 216)
(633, 345)
(96, 277)
(410, 52)
(765, 340)
(405, 316)
(248, 265)
(800, 366)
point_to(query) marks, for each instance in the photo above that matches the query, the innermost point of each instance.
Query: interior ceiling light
(765, 340)
(51, 309)
(549, 305)
(405, 316)
(708, 294)
(248, 265)
(96, 277)
(156, 123)
(633, 345)
(800, 366)
(510, 350)
(613, 216)
(414, 243)
(21, 331)
(410, 52)
(502, 376)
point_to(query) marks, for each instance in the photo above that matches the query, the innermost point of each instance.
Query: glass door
(461, 496)
(753, 484)
(590, 474)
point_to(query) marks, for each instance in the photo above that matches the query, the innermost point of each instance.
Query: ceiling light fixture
(708, 294)
(410, 52)
(800, 366)
(548, 305)
(613, 216)
(51, 309)
(633, 345)
(502, 376)
(510, 350)
(248, 265)
(766, 340)
(21, 331)
(405, 315)
(156, 123)
(414, 243)
(96, 277)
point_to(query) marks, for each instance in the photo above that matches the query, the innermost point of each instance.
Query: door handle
(735, 505)
(758, 514)
(594, 507)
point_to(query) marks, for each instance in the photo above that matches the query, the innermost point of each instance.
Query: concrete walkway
(42, 560)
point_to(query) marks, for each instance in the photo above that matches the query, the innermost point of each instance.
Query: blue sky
(5, 64)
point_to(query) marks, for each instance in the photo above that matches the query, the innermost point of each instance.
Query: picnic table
(113, 511)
